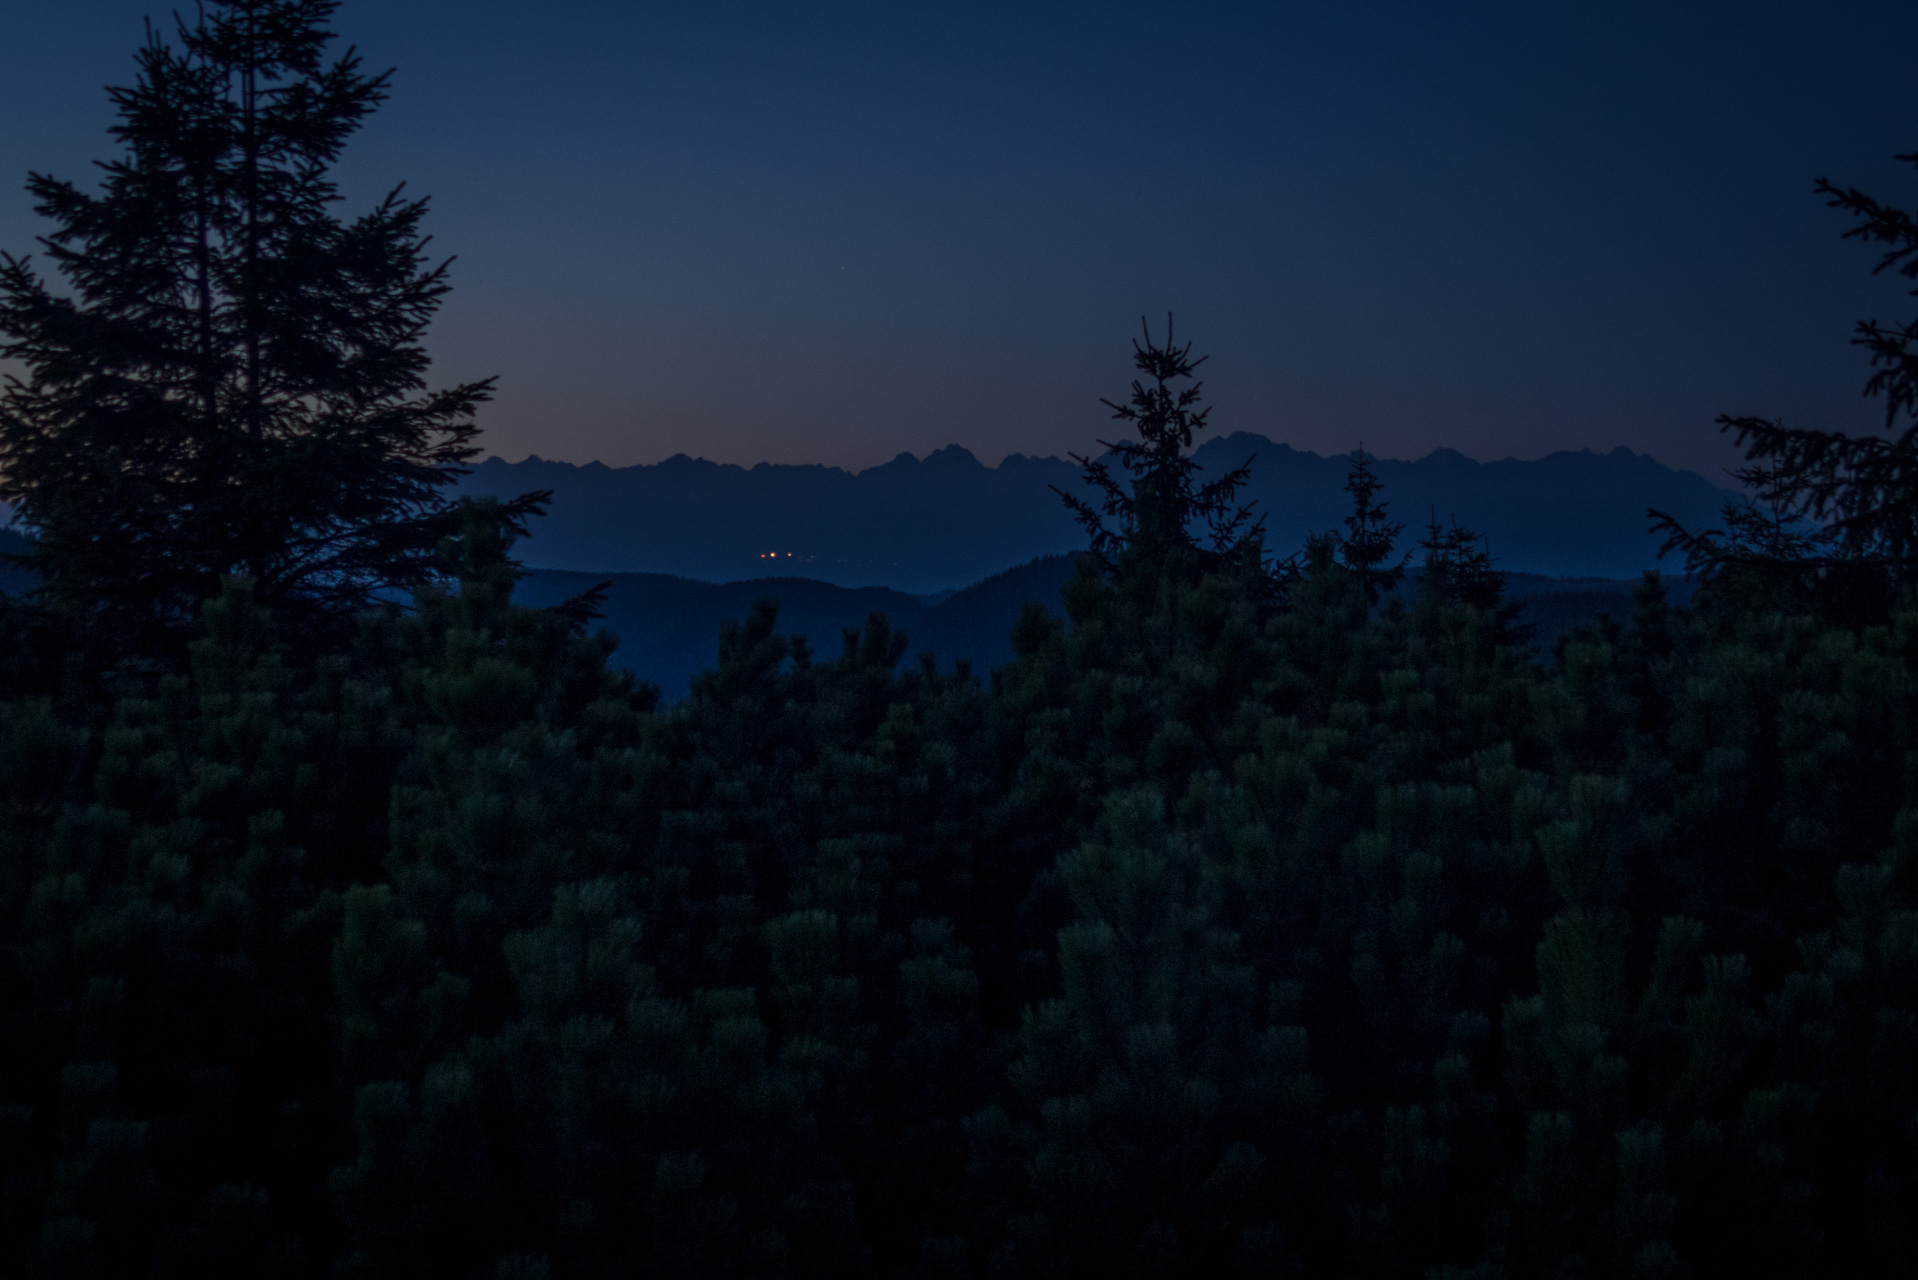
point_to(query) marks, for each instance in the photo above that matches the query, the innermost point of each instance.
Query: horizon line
(906, 455)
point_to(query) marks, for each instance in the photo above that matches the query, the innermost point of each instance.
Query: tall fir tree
(1835, 523)
(233, 382)
(1370, 538)
(1458, 569)
(1154, 516)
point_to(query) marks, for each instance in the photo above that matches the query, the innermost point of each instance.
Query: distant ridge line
(958, 452)
(941, 522)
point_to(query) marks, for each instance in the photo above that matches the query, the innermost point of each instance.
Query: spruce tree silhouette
(234, 383)
(1834, 520)
(1367, 545)
(1458, 569)
(1154, 516)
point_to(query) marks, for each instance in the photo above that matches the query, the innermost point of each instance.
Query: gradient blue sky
(829, 233)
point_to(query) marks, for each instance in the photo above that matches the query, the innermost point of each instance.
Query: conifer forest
(1276, 911)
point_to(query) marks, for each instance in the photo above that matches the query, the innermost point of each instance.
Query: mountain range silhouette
(939, 523)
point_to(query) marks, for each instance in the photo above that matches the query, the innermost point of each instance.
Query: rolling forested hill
(668, 626)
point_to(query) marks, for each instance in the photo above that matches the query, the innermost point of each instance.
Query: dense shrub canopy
(1201, 939)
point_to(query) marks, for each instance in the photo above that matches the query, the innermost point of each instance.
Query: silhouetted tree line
(1261, 917)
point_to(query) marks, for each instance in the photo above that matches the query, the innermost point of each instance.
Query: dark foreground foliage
(1203, 939)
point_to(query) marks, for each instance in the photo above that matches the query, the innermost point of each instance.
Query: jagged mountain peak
(945, 520)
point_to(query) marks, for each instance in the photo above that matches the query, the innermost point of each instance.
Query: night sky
(804, 233)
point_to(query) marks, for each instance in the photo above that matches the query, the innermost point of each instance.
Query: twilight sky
(829, 233)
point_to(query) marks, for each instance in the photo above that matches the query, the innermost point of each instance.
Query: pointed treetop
(1153, 518)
